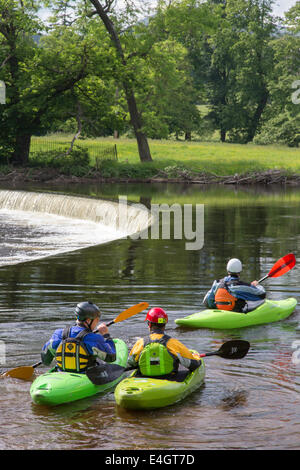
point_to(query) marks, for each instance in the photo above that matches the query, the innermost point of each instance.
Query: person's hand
(102, 329)
(254, 283)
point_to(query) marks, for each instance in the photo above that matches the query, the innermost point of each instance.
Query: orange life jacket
(223, 299)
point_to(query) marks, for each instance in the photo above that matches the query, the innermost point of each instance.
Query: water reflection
(246, 404)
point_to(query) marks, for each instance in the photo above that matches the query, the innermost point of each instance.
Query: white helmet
(234, 266)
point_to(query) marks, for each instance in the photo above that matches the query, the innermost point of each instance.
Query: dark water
(251, 403)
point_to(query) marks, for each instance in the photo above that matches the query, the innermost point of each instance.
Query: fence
(97, 150)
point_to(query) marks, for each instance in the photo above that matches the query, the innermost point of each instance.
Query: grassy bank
(187, 160)
(217, 158)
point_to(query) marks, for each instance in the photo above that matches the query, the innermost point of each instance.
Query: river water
(250, 403)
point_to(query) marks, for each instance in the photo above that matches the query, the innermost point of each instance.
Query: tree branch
(5, 60)
(79, 127)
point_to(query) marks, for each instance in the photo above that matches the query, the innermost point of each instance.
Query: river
(245, 404)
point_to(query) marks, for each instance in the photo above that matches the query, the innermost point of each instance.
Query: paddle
(99, 375)
(235, 349)
(129, 312)
(282, 266)
(25, 372)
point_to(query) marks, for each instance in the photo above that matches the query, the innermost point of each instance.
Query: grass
(209, 157)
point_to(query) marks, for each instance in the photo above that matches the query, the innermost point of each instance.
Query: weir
(35, 225)
(123, 217)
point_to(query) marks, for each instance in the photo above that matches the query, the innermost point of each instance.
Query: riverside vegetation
(185, 69)
(173, 161)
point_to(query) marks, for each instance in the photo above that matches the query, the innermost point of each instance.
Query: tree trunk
(20, 155)
(135, 117)
(223, 135)
(253, 125)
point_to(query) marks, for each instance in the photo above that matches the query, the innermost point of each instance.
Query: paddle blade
(104, 373)
(283, 265)
(235, 349)
(131, 311)
(24, 373)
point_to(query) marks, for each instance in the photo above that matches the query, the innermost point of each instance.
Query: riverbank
(53, 176)
(173, 162)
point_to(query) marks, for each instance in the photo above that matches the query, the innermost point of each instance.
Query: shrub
(76, 163)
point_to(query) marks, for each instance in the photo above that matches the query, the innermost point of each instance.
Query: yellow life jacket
(72, 354)
(155, 359)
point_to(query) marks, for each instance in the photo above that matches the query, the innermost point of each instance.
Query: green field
(208, 157)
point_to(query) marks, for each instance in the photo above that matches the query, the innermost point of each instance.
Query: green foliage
(77, 162)
(281, 129)
(281, 119)
(227, 55)
(112, 169)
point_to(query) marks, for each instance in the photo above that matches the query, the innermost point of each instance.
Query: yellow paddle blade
(131, 311)
(24, 373)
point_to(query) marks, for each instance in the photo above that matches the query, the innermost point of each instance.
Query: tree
(168, 97)
(281, 119)
(241, 61)
(181, 26)
(104, 11)
(37, 75)
(91, 104)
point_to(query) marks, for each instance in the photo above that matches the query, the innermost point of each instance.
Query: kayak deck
(56, 387)
(270, 311)
(149, 392)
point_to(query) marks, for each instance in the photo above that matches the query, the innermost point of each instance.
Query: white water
(37, 225)
(25, 236)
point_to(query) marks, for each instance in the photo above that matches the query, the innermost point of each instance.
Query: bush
(113, 169)
(76, 163)
(282, 130)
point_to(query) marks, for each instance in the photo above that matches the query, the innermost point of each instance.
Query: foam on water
(25, 236)
(35, 225)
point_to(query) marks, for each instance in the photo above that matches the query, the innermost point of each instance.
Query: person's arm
(133, 358)
(49, 348)
(209, 299)
(102, 344)
(248, 291)
(184, 355)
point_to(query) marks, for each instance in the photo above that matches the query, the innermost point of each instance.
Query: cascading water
(35, 225)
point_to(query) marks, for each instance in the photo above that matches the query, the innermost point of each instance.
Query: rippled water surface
(250, 403)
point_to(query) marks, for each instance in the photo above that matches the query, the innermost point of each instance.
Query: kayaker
(159, 354)
(231, 293)
(78, 347)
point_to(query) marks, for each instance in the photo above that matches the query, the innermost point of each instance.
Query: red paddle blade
(283, 265)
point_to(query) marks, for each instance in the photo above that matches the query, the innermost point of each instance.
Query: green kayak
(268, 312)
(55, 388)
(142, 393)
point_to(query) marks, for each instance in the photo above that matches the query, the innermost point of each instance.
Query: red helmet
(157, 315)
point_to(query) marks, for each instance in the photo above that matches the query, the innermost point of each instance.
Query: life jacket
(223, 299)
(72, 354)
(155, 359)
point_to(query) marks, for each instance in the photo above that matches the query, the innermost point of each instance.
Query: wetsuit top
(242, 291)
(101, 347)
(181, 354)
